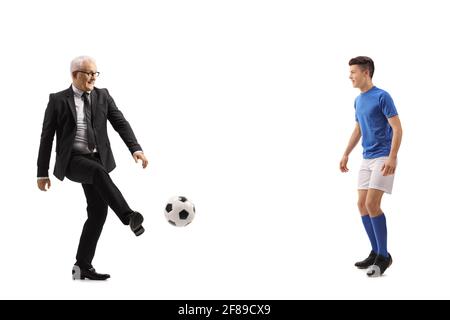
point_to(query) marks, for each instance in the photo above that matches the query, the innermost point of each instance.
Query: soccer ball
(179, 211)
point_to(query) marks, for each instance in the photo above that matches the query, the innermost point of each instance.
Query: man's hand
(140, 156)
(42, 183)
(389, 166)
(343, 164)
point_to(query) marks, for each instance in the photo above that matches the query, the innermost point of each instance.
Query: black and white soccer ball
(179, 211)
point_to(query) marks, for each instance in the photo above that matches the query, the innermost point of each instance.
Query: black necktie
(87, 115)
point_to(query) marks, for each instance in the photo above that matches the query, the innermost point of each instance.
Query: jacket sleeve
(121, 125)
(47, 135)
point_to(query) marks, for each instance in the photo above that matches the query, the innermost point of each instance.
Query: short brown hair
(364, 62)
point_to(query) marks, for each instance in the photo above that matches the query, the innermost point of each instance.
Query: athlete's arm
(354, 138)
(391, 163)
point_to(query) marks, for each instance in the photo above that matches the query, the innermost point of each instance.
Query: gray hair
(76, 63)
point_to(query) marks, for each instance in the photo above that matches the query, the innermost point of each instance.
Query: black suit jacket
(60, 117)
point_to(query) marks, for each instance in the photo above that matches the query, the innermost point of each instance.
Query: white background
(245, 107)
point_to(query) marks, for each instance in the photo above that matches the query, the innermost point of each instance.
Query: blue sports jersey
(372, 109)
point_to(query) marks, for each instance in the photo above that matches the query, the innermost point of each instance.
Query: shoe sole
(363, 268)
(139, 229)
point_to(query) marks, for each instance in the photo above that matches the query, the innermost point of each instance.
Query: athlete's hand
(389, 166)
(140, 156)
(42, 183)
(343, 164)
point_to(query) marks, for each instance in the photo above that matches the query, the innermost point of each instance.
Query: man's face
(84, 78)
(358, 76)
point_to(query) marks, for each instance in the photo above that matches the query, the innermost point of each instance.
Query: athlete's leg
(378, 219)
(362, 198)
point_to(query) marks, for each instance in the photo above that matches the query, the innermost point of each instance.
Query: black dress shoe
(370, 260)
(136, 220)
(81, 274)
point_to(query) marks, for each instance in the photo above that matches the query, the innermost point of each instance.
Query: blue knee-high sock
(379, 226)
(370, 232)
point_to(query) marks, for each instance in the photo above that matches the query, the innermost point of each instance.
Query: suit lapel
(70, 99)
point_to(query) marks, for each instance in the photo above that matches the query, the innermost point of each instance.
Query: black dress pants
(100, 192)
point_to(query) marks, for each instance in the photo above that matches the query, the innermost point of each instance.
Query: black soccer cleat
(380, 265)
(370, 260)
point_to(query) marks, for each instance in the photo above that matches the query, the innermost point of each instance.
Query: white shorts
(371, 177)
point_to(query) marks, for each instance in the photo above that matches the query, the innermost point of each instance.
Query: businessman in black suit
(79, 117)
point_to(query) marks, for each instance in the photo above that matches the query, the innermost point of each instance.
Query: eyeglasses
(91, 74)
